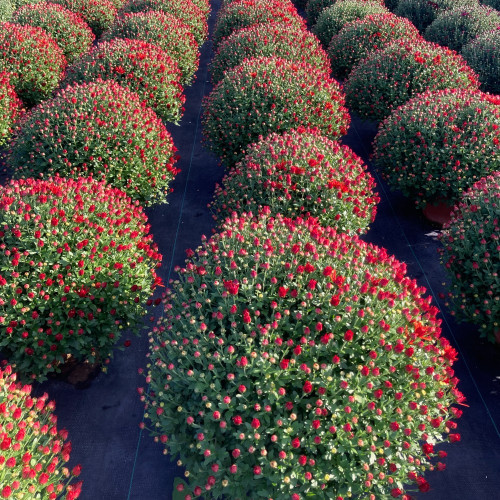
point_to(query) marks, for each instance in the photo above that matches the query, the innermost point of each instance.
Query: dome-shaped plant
(11, 108)
(333, 19)
(185, 10)
(440, 143)
(68, 29)
(264, 95)
(6, 10)
(161, 5)
(423, 12)
(118, 3)
(33, 59)
(268, 39)
(301, 173)
(244, 13)
(141, 67)
(294, 362)
(77, 266)
(100, 129)
(164, 30)
(16, 4)
(203, 6)
(34, 450)
(314, 9)
(455, 28)
(357, 39)
(390, 77)
(483, 56)
(471, 254)
(98, 14)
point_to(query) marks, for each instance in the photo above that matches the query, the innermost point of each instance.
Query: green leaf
(179, 495)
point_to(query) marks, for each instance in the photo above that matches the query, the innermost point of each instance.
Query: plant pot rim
(439, 211)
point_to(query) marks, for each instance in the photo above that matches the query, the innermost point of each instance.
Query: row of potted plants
(444, 137)
(294, 359)
(446, 142)
(98, 124)
(465, 26)
(78, 263)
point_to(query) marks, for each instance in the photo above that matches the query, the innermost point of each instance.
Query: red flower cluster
(390, 77)
(315, 8)
(269, 94)
(98, 14)
(332, 19)
(457, 26)
(68, 29)
(332, 348)
(288, 42)
(244, 13)
(118, 3)
(120, 139)
(11, 107)
(357, 39)
(471, 254)
(78, 263)
(187, 11)
(439, 144)
(141, 67)
(33, 451)
(163, 30)
(300, 173)
(160, 5)
(33, 59)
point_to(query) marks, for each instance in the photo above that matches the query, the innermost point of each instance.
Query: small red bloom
(427, 448)
(232, 286)
(246, 316)
(307, 387)
(423, 485)
(44, 477)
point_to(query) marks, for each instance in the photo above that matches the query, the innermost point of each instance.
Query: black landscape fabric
(122, 462)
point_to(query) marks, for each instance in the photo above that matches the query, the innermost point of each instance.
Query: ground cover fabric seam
(172, 259)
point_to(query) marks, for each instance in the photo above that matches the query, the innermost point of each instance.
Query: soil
(77, 373)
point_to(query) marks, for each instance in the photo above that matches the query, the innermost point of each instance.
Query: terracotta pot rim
(439, 211)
